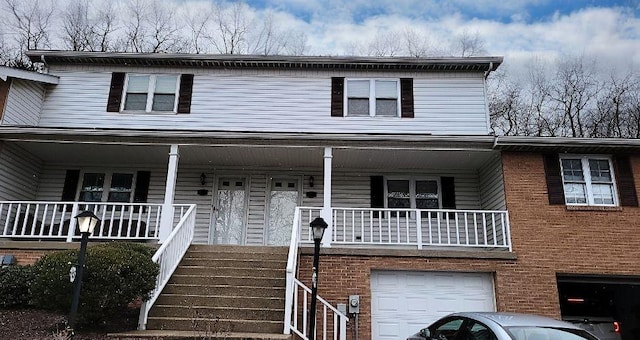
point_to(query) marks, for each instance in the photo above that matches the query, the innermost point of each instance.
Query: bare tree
(268, 39)
(135, 29)
(198, 21)
(232, 24)
(468, 44)
(77, 29)
(164, 32)
(296, 43)
(104, 28)
(385, 44)
(31, 20)
(417, 44)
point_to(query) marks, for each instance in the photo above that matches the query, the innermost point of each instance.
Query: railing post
(419, 228)
(326, 213)
(166, 217)
(72, 222)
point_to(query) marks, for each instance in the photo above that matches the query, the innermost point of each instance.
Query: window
(588, 180)
(372, 97)
(151, 93)
(413, 194)
(118, 187)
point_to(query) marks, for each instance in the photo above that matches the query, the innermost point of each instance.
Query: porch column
(326, 206)
(166, 219)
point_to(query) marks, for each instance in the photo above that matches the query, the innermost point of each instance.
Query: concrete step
(230, 271)
(229, 280)
(214, 325)
(238, 255)
(194, 311)
(224, 290)
(238, 249)
(221, 301)
(199, 335)
(234, 262)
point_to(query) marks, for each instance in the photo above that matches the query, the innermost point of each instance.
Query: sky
(606, 30)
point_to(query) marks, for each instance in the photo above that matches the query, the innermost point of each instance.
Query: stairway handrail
(292, 263)
(168, 256)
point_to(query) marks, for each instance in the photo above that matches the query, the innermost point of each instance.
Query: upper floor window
(588, 180)
(151, 93)
(373, 97)
(381, 97)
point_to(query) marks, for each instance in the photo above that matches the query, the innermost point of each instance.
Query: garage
(607, 306)
(403, 302)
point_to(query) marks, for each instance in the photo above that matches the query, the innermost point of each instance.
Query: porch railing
(168, 256)
(296, 316)
(487, 229)
(55, 220)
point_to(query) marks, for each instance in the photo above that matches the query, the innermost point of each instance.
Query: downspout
(45, 67)
(486, 73)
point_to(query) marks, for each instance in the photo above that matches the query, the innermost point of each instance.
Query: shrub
(115, 274)
(15, 282)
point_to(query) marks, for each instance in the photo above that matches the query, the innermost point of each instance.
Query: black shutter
(184, 97)
(553, 176)
(448, 187)
(115, 92)
(71, 179)
(337, 97)
(406, 95)
(626, 184)
(377, 193)
(142, 187)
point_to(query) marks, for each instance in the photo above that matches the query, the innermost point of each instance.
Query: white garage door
(404, 302)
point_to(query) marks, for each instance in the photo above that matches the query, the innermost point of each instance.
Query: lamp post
(318, 225)
(86, 221)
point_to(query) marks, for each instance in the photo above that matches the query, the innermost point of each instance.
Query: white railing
(419, 228)
(295, 320)
(307, 214)
(55, 220)
(168, 257)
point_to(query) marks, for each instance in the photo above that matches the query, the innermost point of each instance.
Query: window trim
(372, 97)
(151, 87)
(412, 189)
(106, 186)
(586, 171)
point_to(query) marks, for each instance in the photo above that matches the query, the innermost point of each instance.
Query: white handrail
(293, 285)
(168, 256)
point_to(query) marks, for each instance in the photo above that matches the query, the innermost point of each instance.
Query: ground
(29, 324)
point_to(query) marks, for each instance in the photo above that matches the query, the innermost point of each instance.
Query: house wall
(547, 240)
(24, 103)
(19, 173)
(349, 189)
(492, 185)
(4, 92)
(269, 101)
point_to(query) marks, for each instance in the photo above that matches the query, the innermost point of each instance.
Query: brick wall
(546, 239)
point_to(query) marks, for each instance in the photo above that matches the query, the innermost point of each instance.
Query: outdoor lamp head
(87, 221)
(318, 225)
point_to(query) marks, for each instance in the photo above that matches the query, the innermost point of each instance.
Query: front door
(230, 211)
(283, 199)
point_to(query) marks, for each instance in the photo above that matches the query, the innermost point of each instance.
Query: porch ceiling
(289, 157)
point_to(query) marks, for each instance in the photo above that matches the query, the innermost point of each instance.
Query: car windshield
(548, 333)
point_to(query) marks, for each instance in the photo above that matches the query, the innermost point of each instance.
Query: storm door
(283, 198)
(230, 211)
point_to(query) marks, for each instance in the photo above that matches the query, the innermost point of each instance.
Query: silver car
(501, 326)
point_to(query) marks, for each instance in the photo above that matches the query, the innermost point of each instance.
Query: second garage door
(403, 302)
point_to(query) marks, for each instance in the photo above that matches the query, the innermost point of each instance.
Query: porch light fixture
(318, 226)
(311, 180)
(86, 222)
(203, 179)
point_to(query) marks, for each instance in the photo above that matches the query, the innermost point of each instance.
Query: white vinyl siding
(19, 173)
(24, 103)
(270, 101)
(492, 184)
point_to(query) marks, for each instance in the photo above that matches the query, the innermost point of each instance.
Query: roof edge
(9, 72)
